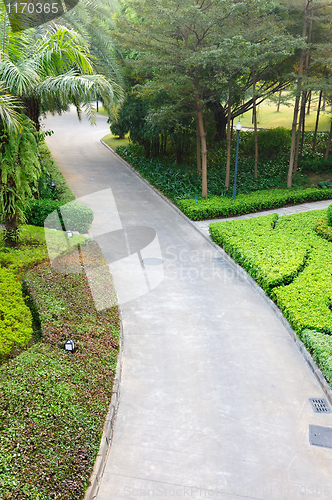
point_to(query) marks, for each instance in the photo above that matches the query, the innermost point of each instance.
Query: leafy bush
(324, 230)
(271, 142)
(182, 181)
(289, 260)
(76, 217)
(246, 203)
(53, 403)
(50, 172)
(32, 248)
(15, 316)
(320, 346)
(329, 215)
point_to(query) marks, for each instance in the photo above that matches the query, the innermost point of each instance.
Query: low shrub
(289, 261)
(320, 346)
(50, 172)
(246, 203)
(15, 316)
(329, 215)
(271, 142)
(75, 217)
(53, 404)
(324, 230)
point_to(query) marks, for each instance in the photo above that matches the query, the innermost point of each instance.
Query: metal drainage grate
(220, 260)
(320, 405)
(152, 261)
(320, 436)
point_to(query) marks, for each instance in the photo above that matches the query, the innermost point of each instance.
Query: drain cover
(220, 260)
(320, 405)
(320, 436)
(152, 261)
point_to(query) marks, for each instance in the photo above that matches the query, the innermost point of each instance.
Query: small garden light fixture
(70, 345)
(52, 186)
(238, 128)
(69, 234)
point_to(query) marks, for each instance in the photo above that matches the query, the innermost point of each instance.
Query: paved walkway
(214, 393)
(304, 207)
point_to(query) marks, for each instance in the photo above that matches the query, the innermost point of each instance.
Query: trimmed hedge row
(76, 217)
(293, 265)
(247, 203)
(290, 262)
(15, 316)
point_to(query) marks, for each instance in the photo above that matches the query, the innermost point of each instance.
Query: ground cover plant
(292, 262)
(182, 184)
(52, 403)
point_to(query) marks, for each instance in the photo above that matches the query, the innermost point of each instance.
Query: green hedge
(289, 261)
(50, 172)
(320, 346)
(329, 215)
(76, 217)
(247, 203)
(293, 265)
(15, 316)
(324, 230)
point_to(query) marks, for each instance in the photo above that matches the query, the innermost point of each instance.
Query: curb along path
(214, 392)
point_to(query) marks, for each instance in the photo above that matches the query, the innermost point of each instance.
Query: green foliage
(289, 260)
(320, 346)
(53, 404)
(247, 203)
(32, 248)
(179, 181)
(50, 172)
(15, 316)
(76, 217)
(272, 142)
(19, 170)
(324, 230)
(329, 215)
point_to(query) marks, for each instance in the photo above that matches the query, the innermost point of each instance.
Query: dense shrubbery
(76, 217)
(52, 403)
(182, 181)
(15, 316)
(289, 261)
(50, 172)
(261, 200)
(329, 215)
(271, 142)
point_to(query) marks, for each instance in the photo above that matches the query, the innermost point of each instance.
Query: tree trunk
(220, 121)
(278, 107)
(32, 110)
(303, 124)
(309, 103)
(314, 141)
(229, 138)
(254, 109)
(328, 143)
(11, 234)
(324, 102)
(198, 144)
(203, 143)
(299, 134)
(297, 100)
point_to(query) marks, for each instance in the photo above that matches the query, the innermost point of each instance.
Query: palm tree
(39, 64)
(19, 173)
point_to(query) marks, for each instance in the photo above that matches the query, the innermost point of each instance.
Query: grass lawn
(268, 117)
(114, 142)
(292, 262)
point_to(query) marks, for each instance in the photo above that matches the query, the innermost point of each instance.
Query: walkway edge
(306, 355)
(106, 439)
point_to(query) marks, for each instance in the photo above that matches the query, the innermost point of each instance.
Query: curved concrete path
(214, 393)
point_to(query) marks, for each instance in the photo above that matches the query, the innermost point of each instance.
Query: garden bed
(53, 403)
(293, 265)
